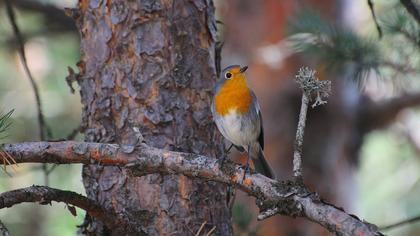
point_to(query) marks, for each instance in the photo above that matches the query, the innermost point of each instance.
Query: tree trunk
(150, 64)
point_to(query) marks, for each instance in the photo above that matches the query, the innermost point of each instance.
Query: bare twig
(290, 198)
(412, 8)
(46, 174)
(297, 153)
(401, 223)
(44, 131)
(201, 228)
(3, 230)
(309, 85)
(211, 231)
(268, 213)
(218, 57)
(74, 133)
(370, 3)
(72, 77)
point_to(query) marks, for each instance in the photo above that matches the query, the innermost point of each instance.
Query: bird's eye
(228, 75)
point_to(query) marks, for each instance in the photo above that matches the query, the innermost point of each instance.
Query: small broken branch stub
(310, 86)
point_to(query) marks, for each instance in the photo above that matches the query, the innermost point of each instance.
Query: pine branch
(339, 48)
(380, 114)
(4, 126)
(397, 21)
(412, 8)
(288, 198)
(3, 230)
(5, 123)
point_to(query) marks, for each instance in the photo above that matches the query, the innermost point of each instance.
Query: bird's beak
(243, 69)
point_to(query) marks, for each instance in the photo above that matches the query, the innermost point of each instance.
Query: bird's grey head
(228, 72)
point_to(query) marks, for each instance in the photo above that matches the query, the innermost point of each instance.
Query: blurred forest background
(361, 151)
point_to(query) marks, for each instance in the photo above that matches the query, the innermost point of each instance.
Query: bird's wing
(258, 112)
(261, 137)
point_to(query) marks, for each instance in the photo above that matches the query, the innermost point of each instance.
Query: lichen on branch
(310, 86)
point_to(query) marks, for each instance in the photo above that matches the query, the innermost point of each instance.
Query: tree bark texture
(150, 64)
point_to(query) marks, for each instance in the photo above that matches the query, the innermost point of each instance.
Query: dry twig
(309, 85)
(370, 3)
(44, 131)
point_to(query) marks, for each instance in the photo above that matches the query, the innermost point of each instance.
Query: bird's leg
(224, 156)
(230, 147)
(247, 164)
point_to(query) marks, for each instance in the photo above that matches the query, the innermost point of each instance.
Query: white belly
(238, 130)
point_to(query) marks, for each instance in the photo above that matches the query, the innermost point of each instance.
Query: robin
(237, 115)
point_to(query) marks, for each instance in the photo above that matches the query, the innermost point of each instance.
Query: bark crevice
(150, 65)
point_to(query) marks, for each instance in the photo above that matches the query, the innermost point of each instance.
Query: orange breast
(234, 94)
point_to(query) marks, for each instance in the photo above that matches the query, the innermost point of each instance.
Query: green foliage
(350, 55)
(339, 48)
(242, 217)
(389, 182)
(397, 21)
(5, 123)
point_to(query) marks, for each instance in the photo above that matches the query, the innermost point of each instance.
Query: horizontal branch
(273, 197)
(45, 195)
(55, 19)
(375, 115)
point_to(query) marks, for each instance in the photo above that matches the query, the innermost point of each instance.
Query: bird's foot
(224, 157)
(228, 150)
(247, 171)
(223, 160)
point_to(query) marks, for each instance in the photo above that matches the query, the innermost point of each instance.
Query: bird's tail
(260, 164)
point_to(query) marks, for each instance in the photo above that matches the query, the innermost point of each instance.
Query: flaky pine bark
(149, 64)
